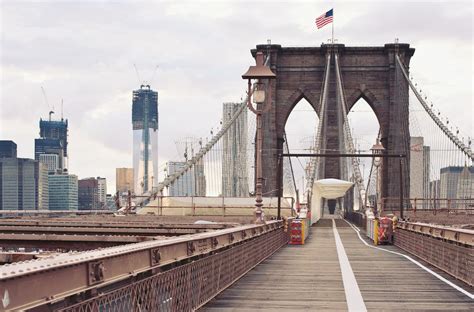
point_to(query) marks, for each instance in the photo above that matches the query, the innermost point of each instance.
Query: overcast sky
(83, 52)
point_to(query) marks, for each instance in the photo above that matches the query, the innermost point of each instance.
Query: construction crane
(145, 82)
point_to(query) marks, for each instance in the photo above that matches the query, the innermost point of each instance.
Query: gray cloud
(84, 51)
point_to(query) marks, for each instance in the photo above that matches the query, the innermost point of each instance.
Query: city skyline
(99, 119)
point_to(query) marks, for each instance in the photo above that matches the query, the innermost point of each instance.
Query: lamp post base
(259, 216)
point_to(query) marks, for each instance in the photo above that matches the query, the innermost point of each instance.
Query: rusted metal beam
(69, 242)
(98, 230)
(9, 257)
(90, 222)
(77, 272)
(56, 212)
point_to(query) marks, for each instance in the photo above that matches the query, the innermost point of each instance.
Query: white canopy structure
(328, 189)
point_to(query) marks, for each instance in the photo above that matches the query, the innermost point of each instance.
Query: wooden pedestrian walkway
(309, 278)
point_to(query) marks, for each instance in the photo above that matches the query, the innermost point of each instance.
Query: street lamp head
(258, 95)
(377, 150)
(260, 71)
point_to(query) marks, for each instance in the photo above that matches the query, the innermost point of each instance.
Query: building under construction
(145, 139)
(53, 142)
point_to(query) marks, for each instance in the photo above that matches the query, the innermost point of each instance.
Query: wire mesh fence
(189, 286)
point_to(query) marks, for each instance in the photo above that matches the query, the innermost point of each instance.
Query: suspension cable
(202, 152)
(318, 142)
(459, 144)
(347, 131)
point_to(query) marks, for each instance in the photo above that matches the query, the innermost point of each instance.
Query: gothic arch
(370, 73)
(294, 99)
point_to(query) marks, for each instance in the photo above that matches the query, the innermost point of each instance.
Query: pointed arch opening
(365, 129)
(300, 131)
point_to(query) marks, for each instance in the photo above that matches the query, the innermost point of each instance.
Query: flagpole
(332, 26)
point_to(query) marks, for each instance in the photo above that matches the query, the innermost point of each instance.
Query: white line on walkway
(354, 299)
(465, 292)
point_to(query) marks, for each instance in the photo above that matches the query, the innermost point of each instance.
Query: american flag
(324, 19)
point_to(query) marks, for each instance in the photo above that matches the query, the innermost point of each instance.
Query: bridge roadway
(315, 276)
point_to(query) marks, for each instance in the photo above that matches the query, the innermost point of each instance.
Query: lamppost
(377, 150)
(263, 104)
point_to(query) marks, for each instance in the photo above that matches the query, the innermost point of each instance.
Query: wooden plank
(308, 278)
(291, 279)
(390, 282)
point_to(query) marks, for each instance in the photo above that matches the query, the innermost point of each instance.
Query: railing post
(161, 205)
(223, 206)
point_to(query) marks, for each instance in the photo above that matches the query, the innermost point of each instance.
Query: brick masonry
(367, 72)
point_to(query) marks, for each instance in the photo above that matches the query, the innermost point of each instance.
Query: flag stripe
(324, 19)
(320, 24)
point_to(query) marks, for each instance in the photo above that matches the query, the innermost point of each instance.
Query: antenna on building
(50, 113)
(62, 102)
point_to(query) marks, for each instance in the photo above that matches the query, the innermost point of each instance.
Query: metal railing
(358, 218)
(190, 286)
(435, 205)
(79, 276)
(223, 211)
(450, 249)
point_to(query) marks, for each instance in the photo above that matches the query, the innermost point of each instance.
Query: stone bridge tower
(370, 73)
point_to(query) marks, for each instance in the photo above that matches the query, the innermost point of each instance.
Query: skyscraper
(102, 188)
(192, 183)
(457, 182)
(88, 194)
(55, 129)
(51, 161)
(7, 149)
(23, 184)
(50, 147)
(123, 179)
(53, 141)
(234, 161)
(419, 168)
(145, 139)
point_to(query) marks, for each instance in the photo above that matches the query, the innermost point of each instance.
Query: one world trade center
(145, 139)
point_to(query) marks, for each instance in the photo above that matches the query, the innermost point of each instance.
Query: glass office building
(23, 184)
(53, 141)
(7, 149)
(145, 139)
(63, 193)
